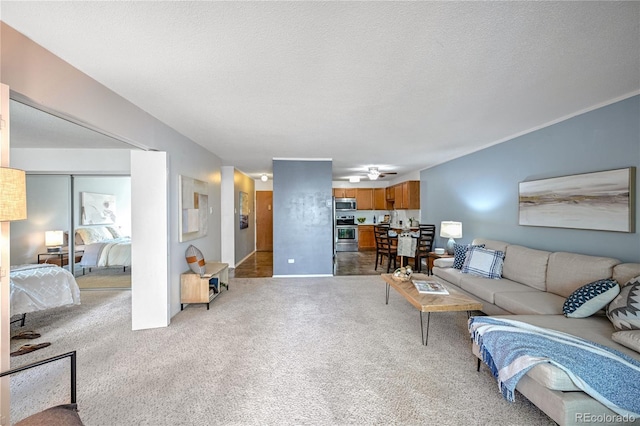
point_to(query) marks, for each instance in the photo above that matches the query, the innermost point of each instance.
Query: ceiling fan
(374, 173)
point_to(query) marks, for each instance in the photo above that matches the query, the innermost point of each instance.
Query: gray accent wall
(481, 189)
(302, 218)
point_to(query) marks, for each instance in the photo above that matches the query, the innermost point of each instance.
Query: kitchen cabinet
(398, 202)
(366, 239)
(390, 193)
(364, 198)
(407, 195)
(344, 192)
(379, 199)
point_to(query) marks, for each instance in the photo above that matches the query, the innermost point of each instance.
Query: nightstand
(433, 256)
(60, 258)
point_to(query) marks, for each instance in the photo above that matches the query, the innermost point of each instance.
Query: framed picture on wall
(244, 210)
(603, 201)
(97, 209)
(193, 209)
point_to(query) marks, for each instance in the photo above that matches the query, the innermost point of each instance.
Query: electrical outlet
(292, 261)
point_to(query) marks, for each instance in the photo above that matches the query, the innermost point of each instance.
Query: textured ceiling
(400, 85)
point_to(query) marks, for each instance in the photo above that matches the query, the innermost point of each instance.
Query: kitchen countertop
(411, 228)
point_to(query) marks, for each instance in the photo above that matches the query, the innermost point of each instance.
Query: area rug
(101, 278)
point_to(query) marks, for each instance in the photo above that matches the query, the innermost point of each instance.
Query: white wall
(76, 161)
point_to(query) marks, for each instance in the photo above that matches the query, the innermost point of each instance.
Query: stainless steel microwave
(346, 204)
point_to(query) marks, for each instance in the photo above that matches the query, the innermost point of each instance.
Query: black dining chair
(385, 246)
(60, 415)
(424, 244)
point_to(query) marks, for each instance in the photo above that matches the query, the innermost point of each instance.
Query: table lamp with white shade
(53, 240)
(451, 230)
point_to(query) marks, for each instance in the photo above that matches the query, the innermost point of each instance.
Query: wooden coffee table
(454, 301)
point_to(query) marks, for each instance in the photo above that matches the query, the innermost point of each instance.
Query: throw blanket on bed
(511, 348)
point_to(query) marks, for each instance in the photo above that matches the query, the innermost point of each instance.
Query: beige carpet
(286, 351)
(100, 278)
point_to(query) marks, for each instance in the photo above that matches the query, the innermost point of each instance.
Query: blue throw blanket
(511, 348)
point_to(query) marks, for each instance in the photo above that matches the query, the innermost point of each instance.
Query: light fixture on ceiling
(374, 173)
(13, 194)
(354, 179)
(264, 177)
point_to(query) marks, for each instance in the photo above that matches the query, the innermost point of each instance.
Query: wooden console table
(203, 289)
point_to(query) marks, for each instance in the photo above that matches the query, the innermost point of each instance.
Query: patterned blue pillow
(460, 254)
(590, 298)
(484, 263)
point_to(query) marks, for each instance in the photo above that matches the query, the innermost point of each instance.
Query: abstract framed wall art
(97, 209)
(244, 210)
(193, 209)
(603, 201)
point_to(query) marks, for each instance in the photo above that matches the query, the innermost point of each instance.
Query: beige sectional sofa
(533, 288)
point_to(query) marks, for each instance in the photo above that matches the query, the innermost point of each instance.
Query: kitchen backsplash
(402, 215)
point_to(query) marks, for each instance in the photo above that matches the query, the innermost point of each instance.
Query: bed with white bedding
(114, 252)
(103, 247)
(40, 287)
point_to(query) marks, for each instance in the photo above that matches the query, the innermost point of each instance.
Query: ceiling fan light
(373, 173)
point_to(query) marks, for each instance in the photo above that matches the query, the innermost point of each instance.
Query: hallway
(260, 264)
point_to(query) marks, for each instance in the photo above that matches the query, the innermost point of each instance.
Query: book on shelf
(429, 287)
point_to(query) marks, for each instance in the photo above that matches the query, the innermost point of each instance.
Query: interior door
(264, 220)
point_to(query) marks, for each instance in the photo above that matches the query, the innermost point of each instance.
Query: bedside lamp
(450, 230)
(53, 240)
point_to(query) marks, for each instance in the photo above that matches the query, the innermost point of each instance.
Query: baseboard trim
(245, 258)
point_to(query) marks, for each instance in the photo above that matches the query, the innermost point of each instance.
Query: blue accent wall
(302, 217)
(481, 189)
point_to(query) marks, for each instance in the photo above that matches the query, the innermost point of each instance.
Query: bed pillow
(195, 259)
(590, 298)
(484, 263)
(624, 310)
(460, 254)
(115, 232)
(93, 235)
(628, 338)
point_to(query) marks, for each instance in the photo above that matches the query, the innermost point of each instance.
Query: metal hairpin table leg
(388, 287)
(424, 336)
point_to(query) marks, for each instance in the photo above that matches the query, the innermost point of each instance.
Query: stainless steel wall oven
(346, 233)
